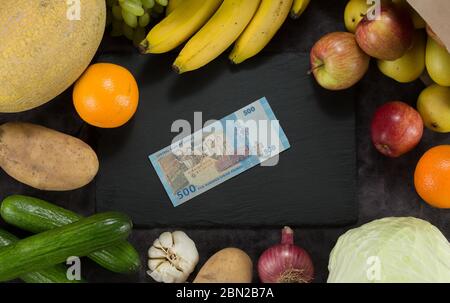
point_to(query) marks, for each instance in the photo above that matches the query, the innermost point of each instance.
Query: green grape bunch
(130, 18)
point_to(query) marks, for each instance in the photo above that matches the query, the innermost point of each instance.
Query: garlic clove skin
(155, 253)
(166, 239)
(157, 244)
(186, 249)
(166, 273)
(172, 257)
(154, 263)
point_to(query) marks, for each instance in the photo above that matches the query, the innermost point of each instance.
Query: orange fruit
(106, 95)
(432, 176)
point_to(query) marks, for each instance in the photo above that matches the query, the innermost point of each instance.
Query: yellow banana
(188, 17)
(298, 8)
(267, 21)
(217, 35)
(172, 6)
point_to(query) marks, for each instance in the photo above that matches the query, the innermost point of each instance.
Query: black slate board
(313, 184)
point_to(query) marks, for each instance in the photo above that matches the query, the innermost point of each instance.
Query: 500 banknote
(220, 151)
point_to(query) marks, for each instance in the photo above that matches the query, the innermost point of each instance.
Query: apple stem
(314, 68)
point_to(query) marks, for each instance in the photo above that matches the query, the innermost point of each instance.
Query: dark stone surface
(385, 186)
(287, 193)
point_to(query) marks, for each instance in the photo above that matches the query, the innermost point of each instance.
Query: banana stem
(143, 47)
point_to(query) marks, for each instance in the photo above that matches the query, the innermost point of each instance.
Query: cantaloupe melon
(44, 48)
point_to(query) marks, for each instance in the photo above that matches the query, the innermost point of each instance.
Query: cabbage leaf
(391, 250)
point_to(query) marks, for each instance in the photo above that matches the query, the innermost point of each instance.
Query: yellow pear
(431, 33)
(438, 62)
(354, 12)
(415, 17)
(409, 67)
(434, 107)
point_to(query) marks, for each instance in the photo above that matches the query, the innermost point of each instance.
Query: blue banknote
(218, 152)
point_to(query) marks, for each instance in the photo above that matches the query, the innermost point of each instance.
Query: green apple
(434, 107)
(354, 12)
(437, 60)
(410, 66)
(416, 18)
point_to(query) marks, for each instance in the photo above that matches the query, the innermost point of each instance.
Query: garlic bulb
(172, 258)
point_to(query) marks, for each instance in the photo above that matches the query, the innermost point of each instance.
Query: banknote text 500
(249, 110)
(186, 191)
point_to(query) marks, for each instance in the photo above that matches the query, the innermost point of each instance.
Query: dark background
(385, 186)
(320, 126)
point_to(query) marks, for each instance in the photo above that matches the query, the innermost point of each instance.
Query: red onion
(285, 262)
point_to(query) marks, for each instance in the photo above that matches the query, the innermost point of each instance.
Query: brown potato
(230, 265)
(44, 158)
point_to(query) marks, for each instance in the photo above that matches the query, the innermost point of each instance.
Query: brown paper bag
(437, 14)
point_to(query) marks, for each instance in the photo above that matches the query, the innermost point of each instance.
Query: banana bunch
(172, 5)
(210, 27)
(298, 8)
(131, 17)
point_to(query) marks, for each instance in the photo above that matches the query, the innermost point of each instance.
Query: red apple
(387, 37)
(337, 62)
(396, 129)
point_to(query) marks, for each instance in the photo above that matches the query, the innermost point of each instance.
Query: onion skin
(285, 262)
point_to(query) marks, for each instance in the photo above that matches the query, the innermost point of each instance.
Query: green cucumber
(54, 274)
(36, 216)
(55, 246)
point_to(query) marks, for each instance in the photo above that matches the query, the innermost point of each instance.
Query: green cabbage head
(391, 250)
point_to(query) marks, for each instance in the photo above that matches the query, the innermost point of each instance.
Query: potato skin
(230, 265)
(44, 158)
